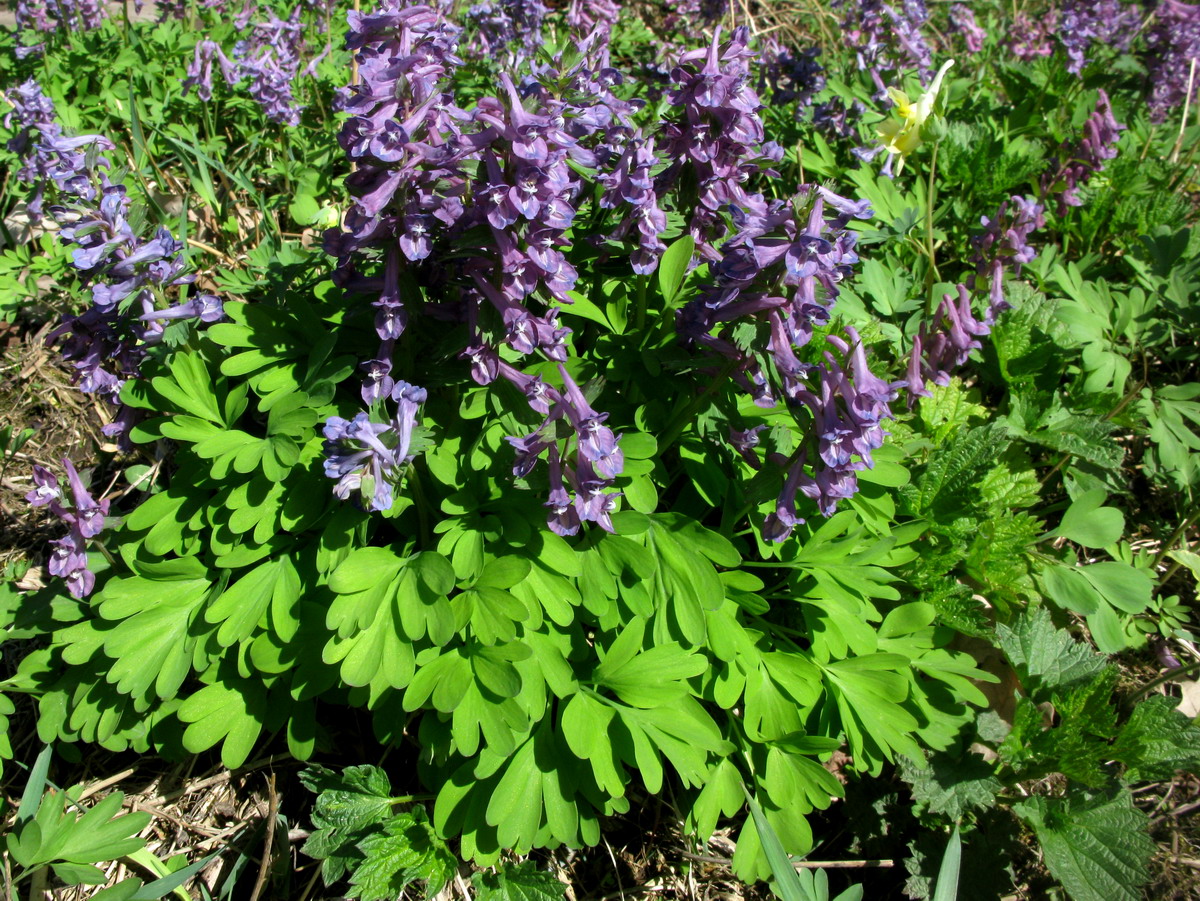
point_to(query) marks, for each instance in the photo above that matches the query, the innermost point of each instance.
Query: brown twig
(105, 783)
(264, 865)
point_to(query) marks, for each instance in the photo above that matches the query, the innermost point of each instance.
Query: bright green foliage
(71, 844)
(1157, 741)
(1047, 659)
(545, 683)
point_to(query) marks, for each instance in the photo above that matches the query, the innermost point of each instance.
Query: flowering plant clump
(557, 403)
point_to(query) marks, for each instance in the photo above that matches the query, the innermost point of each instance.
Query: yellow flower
(901, 134)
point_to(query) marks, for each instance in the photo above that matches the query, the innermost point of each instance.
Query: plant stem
(932, 275)
(640, 320)
(1175, 536)
(689, 412)
(1159, 680)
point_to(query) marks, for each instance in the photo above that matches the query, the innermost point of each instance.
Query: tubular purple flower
(45, 488)
(563, 518)
(597, 442)
(88, 514)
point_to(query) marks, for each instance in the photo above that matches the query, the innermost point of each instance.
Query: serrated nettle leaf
(518, 882)
(1157, 741)
(1047, 659)
(952, 784)
(1094, 844)
(407, 850)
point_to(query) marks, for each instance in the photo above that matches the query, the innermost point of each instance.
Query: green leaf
(153, 640)
(1047, 659)
(1095, 845)
(1157, 741)
(349, 803)
(951, 786)
(240, 607)
(653, 678)
(1090, 524)
(947, 878)
(32, 794)
(787, 882)
(231, 711)
(406, 851)
(1066, 586)
(672, 268)
(520, 882)
(365, 569)
(1125, 587)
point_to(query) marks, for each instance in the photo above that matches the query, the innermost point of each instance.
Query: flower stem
(931, 275)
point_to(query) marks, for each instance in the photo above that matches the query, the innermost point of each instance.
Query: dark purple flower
(1099, 143)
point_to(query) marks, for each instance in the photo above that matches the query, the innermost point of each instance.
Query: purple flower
(563, 518)
(1101, 133)
(962, 20)
(1029, 37)
(597, 442)
(1087, 22)
(88, 514)
(84, 517)
(367, 457)
(1174, 48)
(45, 488)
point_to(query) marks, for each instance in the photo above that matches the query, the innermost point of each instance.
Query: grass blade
(947, 880)
(31, 798)
(787, 882)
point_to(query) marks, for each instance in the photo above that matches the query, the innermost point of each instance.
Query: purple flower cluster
(838, 119)
(1004, 246)
(1174, 62)
(1030, 37)
(848, 404)
(49, 16)
(962, 20)
(368, 458)
(268, 60)
(908, 23)
(598, 458)
(81, 513)
(886, 38)
(1087, 22)
(496, 25)
(584, 16)
(48, 157)
(790, 76)
(782, 268)
(1098, 144)
(129, 276)
(477, 207)
(716, 135)
(944, 343)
